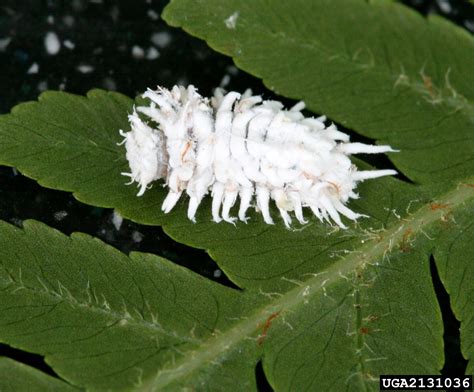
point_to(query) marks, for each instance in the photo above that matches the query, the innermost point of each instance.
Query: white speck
(183, 81)
(34, 68)
(42, 86)
(60, 215)
(51, 43)
(17, 222)
(15, 172)
(4, 42)
(225, 81)
(152, 14)
(232, 70)
(152, 53)
(201, 55)
(77, 5)
(138, 52)
(469, 23)
(161, 39)
(50, 19)
(117, 220)
(68, 20)
(231, 21)
(444, 6)
(115, 13)
(85, 68)
(217, 273)
(109, 84)
(69, 44)
(137, 236)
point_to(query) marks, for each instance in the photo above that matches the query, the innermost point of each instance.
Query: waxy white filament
(241, 147)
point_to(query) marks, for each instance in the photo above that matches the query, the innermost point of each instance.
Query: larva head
(146, 152)
(173, 117)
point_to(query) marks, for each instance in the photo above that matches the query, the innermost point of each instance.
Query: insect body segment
(240, 147)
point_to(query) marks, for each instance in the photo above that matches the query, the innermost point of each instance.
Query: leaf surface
(376, 67)
(104, 320)
(373, 311)
(367, 290)
(15, 376)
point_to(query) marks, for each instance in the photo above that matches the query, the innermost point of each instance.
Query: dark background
(125, 46)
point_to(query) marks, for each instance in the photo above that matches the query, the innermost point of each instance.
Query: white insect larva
(241, 147)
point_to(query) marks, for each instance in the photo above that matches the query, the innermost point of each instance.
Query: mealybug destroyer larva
(240, 146)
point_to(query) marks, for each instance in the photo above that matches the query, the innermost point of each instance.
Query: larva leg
(263, 203)
(192, 207)
(245, 199)
(170, 201)
(229, 200)
(286, 217)
(217, 194)
(346, 211)
(320, 213)
(317, 213)
(295, 198)
(327, 204)
(143, 188)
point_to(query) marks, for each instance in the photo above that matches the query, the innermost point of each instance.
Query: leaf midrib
(371, 251)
